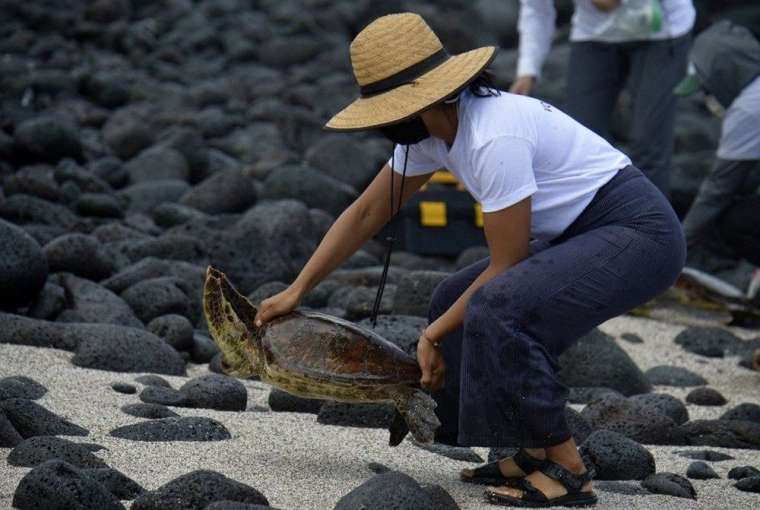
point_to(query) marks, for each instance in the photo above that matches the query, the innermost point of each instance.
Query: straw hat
(402, 68)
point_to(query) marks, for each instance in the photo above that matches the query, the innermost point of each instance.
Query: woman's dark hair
(483, 85)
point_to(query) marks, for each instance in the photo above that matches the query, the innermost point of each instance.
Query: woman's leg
(447, 399)
(519, 322)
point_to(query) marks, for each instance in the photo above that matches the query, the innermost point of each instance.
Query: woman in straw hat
(606, 240)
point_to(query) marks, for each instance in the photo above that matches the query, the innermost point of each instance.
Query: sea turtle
(315, 355)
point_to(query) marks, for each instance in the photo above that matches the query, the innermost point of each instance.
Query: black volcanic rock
(125, 388)
(149, 411)
(174, 429)
(415, 290)
(26, 209)
(387, 491)
(584, 395)
(284, 402)
(122, 349)
(356, 415)
(309, 186)
(616, 457)
(700, 471)
(722, 433)
(31, 419)
(99, 205)
(666, 404)
(197, 490)
(174, 329)
(402, 330)
(224, 192)
(145, 197)
(712, 342)
(204, 349)
(157, 163)
(164, 396)
(117, 483)
(708, 455)
(704, 396)
(59, 485)
(666, 375)
(741, 472)
(669, 484)
(595, 360)
(750, 484)
(632, 419)
(19, 386)
(214, 391)
(81, 255)
(48, 139)
(9, 436)
(745, 411)
(36, 450)
(93, 303)
(462, 453)
(50, 301)
(152, 380)
(23, 267)
(156, 297)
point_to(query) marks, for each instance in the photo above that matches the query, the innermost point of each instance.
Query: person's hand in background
(523, 85)
(606, 5)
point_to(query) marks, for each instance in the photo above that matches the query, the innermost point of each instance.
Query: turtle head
(230, 317)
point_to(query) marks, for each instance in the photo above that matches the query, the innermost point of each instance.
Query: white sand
(301, 465)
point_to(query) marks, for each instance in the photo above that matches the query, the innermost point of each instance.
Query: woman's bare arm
(355, 226)
(508, 234)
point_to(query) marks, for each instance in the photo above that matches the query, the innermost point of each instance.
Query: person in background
(640, 44)
(725, 63)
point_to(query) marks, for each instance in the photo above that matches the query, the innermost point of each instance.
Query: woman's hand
(277, 305)
(431, 363)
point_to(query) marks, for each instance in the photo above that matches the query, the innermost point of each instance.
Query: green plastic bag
(633, 19)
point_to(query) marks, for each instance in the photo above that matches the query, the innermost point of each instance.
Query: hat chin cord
(393, 220)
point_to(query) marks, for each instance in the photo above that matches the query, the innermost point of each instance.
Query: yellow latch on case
(478, 216)
(433, 214)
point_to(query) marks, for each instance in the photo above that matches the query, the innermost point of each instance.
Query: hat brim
(688, 86)
(407, 100)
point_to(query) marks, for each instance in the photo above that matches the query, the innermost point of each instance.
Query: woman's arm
(508, 234)
(354, 227)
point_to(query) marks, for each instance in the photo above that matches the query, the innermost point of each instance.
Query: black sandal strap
(490, 470)
(527, 463)
(531, 494)
(572, 482)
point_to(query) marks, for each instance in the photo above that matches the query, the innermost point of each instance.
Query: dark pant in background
(501, 385)
(596, 74)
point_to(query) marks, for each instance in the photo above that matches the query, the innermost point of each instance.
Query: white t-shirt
(510, 147)
(740, 134)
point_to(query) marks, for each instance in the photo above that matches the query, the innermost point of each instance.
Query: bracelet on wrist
(434, 344)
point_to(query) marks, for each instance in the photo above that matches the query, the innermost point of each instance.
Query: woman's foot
(510, 467)
(563, 479)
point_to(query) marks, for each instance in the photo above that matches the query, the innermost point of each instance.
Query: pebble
(187, 428)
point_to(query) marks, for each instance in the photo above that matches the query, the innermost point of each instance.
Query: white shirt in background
(510, 147)
(740, 132)
(537, 18)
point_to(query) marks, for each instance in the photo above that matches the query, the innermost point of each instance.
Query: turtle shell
(331, 349)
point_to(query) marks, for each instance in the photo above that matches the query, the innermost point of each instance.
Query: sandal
(534, 498)
(490, 474)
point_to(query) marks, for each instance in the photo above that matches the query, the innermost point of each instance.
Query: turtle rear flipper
(417, 409)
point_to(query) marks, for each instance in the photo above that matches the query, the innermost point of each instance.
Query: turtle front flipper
(230, 321)
(418, 411)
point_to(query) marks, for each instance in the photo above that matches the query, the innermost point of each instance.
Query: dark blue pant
(501, 385)
(597, 72)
